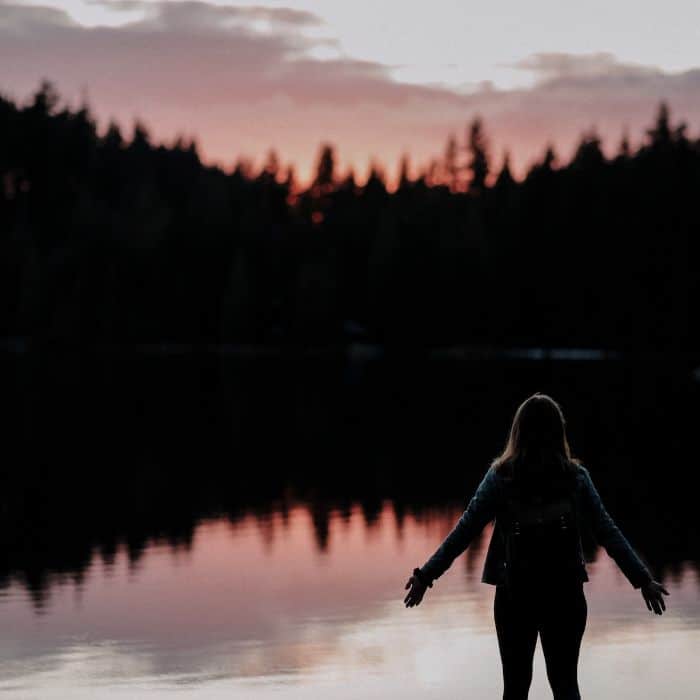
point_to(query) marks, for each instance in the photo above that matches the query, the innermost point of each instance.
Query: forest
(110, 241)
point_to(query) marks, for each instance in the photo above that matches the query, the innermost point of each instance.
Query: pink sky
(243, 79)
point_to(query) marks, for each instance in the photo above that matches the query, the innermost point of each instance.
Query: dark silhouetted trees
(106, 239)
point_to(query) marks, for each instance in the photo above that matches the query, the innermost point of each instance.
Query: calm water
(256, 610)
(214, 529)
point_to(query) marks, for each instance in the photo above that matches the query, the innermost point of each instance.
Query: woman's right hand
(653, 593)
(416, 592)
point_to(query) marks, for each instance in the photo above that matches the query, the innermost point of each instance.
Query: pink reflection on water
(259, 601)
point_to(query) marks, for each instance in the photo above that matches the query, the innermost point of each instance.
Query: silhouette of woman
(540, 497)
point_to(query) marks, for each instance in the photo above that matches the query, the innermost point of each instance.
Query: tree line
(108, 240)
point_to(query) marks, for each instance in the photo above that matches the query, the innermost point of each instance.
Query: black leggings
(559, 616)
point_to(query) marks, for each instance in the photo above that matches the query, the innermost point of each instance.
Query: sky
(376, 79)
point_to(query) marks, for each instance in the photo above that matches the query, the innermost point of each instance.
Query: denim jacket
(488, 501)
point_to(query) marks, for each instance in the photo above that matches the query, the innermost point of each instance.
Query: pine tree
(478, 157)
(271, 167)
(450, 164)
(660, 134)
(404, 180)
(505, 177)
(325, 170)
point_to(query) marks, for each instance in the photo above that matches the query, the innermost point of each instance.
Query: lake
(208, 528)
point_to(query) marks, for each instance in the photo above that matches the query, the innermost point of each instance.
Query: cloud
(189, 11)
(19, 18)
(121, 5)
(214, 72)
(551, 66)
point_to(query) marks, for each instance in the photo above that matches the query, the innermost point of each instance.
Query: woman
(540, 497)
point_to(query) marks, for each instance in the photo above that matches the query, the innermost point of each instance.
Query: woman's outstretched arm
(481, 510)
(616, 545)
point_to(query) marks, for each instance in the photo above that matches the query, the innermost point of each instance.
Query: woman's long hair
(537, 454)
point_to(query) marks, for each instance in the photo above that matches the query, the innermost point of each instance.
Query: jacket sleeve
(608, 534)
(481, 510)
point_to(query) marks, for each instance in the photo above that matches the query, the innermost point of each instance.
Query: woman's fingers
(415, 592)
(652, 602)
(412, 599)
(653, 595)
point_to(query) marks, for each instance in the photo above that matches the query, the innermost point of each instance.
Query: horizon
(389, 173)
(241, 79)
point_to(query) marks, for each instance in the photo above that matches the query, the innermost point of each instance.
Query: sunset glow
(377, 80)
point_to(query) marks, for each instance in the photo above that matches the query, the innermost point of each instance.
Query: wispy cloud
(594, 65)
(189, 12)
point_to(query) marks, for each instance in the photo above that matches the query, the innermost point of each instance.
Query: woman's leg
(562, 625)
(516, 627)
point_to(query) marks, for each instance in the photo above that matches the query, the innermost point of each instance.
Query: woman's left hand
(416, 592)
(653, 593)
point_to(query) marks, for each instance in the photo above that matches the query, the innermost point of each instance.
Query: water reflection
(244, 528)
(115, 451)
(255, 608)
